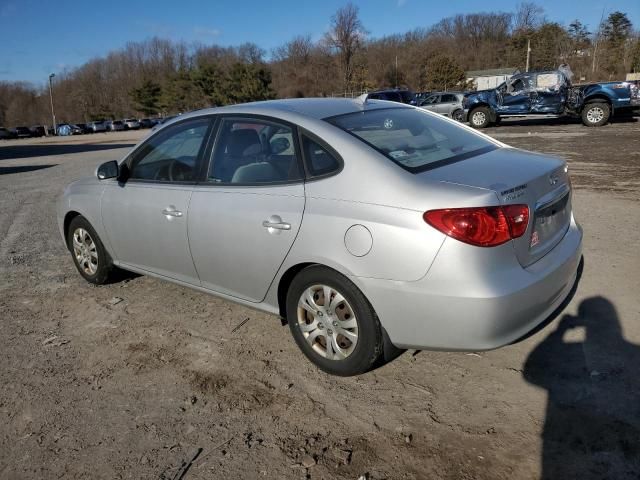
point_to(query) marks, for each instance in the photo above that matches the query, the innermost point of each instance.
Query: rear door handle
(170, 212)
(276, 225)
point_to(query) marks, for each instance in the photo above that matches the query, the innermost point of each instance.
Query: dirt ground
(145, 379)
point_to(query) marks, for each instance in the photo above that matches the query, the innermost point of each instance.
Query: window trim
(309, 176)
(199, 158)
(246, 117)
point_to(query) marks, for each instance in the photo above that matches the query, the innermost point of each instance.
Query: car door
(515, 99)
(245, 217)
(431, 103)
(146, 216)
(447, 102)
(550, 93)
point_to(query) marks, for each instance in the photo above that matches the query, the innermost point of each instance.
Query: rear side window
(319, 160)
(411, 137)
(448, 98)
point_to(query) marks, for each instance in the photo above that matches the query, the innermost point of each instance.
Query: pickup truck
(549, 94)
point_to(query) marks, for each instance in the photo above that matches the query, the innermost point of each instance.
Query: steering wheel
(178, 170)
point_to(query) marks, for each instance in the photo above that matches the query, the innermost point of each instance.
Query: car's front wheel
(479, 117)
(458, 115)
(595, 114)
(333, 323)
(89, 255)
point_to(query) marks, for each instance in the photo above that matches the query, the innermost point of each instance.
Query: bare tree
(529, 16)
(346, 37)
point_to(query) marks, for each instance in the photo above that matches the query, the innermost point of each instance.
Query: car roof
(317, 108)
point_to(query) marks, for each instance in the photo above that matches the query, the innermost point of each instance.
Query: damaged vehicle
(550, 94)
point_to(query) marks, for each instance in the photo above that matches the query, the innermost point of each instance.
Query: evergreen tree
(147, 97)
(442, 72)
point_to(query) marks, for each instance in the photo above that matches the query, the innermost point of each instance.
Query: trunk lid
(520, 177)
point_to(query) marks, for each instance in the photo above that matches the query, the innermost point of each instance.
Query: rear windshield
(413, 139)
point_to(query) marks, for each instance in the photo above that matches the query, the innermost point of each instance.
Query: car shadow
(592, 424)
(23, 169)
(25, 151)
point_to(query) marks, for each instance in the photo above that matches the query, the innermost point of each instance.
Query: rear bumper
(460, 305)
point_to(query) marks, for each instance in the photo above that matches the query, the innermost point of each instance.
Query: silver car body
(366, 221)
(96, 127)
(131, 123)
(444, 103)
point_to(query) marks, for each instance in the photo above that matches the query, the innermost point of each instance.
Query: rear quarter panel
(619, 97)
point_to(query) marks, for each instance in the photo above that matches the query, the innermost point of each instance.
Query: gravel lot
(138, 378)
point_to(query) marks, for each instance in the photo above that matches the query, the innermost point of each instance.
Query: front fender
(84, 197)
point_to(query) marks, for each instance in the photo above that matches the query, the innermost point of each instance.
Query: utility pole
(528, 54)
(53, 115)
(396, 71)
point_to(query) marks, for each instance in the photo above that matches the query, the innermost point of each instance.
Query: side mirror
(108, 170)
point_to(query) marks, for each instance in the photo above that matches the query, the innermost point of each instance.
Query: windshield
(412, 138)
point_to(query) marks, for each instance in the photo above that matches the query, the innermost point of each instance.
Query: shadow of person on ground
(592, 425)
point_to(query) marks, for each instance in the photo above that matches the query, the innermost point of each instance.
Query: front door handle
(276, 225)
(171, 212)
(275, 222)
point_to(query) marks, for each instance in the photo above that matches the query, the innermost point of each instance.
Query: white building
(488, 79)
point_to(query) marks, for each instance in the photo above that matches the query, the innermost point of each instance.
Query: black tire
(480, 117)
(368, 349)
(595, 114)
(104, 265)
(458, 115)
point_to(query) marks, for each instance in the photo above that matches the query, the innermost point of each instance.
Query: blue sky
(43, 36)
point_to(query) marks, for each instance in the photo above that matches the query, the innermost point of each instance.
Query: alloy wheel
(85, 252)
(327, 321)
(595, 114)
(479, 118)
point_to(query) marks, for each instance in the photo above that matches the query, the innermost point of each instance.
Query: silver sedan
(370, 226)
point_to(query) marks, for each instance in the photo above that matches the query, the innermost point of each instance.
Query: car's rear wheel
(479, 117)
(333, 323)
(596, 114)
(458, 115)
(89, 255)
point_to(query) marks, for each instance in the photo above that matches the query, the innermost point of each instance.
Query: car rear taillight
(481, 226)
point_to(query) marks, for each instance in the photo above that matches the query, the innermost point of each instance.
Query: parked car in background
(419, 96)
(6, 134)
(148, 122)
(392, 94)
(445, 103)
(23, 132)
(162, 121)
(64, 129)
(131, 124)
(84, 127)
(97, 126)
(38, 131)
(550, 94)
(115, 125)
(455, 241)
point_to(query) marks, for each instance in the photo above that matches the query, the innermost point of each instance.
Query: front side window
(254, 151)
(431, 100)
(172, 154)
(411, 137)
